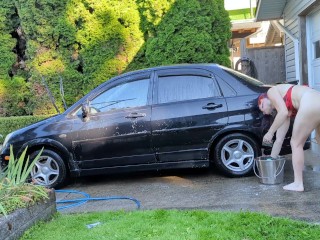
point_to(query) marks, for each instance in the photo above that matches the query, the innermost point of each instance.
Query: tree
(191, 31)
(86, 42)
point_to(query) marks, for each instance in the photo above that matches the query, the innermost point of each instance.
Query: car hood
(27, 130)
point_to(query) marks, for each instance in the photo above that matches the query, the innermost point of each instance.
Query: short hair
(261, 97)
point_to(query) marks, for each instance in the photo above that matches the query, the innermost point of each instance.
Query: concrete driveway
(204, 189)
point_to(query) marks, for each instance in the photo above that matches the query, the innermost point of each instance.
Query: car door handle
(135, 115)
(251, 104)
(212, 106)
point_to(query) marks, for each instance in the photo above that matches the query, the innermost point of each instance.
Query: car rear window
(242, 77)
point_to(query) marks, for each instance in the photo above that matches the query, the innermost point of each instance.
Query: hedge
(10, 124)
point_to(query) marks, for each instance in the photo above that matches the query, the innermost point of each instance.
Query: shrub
(15, 192)
(86, 42)
(14, 97)
(7, 43)
(190, 31)
(9, 124)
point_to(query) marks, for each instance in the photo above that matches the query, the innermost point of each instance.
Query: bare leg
(304, 123)
(318, 134)
(298, 165)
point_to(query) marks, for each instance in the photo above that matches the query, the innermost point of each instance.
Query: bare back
(297, 92)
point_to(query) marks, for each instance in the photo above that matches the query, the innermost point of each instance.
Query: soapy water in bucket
(270, 170)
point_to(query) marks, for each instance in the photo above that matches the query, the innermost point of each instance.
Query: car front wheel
(234, 154)
(50, 170)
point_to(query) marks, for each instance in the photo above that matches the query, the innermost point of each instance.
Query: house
(256, 48)
(300, 23)
(243, 25)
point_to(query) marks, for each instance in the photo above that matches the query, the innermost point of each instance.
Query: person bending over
(302, 103)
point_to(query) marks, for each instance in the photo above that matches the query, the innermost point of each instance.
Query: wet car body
(167, 119)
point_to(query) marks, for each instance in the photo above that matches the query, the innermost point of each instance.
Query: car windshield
(241, 76)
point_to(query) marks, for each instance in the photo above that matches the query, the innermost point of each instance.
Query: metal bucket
(270, 170)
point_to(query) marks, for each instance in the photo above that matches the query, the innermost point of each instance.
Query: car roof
(164, 67)
(184, 65)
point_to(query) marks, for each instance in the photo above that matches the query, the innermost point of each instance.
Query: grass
(241, 14)
(172, 225)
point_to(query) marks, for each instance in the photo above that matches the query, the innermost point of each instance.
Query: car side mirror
(85, 110)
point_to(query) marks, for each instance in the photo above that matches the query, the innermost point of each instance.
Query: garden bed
(15, 224)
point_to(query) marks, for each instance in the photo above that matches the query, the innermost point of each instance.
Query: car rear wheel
(234, 154)
(50, 170)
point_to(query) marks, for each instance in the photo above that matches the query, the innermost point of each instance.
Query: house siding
(291, 21)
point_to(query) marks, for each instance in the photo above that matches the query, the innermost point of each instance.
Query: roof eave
(270, 10)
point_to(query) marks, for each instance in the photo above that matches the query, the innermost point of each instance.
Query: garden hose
(79, 201)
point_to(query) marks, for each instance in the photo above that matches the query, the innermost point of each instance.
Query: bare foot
(294, 187)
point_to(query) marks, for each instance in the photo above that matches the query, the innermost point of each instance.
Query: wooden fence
(269, 63)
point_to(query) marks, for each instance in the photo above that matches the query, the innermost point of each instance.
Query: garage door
(313, 44)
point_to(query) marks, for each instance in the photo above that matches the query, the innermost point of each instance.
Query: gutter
(258, 8)
(296, 47)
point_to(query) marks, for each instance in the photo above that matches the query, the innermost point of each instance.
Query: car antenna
(62, 93)
(50, 95)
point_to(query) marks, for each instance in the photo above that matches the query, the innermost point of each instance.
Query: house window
(317, 49)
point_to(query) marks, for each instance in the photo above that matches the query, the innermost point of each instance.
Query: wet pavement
(205, 189)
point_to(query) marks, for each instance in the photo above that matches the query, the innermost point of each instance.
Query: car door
(117, 132)
(188, 110)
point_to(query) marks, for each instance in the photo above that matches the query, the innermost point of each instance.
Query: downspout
(296, 48)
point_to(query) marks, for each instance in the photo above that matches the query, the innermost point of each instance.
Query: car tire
(234, 155)
(50, 170)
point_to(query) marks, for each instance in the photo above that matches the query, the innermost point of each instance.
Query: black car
(181, 116)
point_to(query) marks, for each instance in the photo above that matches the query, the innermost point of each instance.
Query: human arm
(282, 112)
(280, 135)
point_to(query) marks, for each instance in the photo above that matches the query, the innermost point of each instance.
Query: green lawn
(172, 225)
(241, 14)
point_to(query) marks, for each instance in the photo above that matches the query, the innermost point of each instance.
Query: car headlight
(7, 139)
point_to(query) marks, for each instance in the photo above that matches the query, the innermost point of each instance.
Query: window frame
(119, 108)
(113, 83)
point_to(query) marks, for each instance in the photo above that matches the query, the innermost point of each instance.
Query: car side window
(226, 89)
(186, 87)
(126, 95)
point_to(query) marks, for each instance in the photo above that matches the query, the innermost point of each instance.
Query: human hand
(268, 138)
